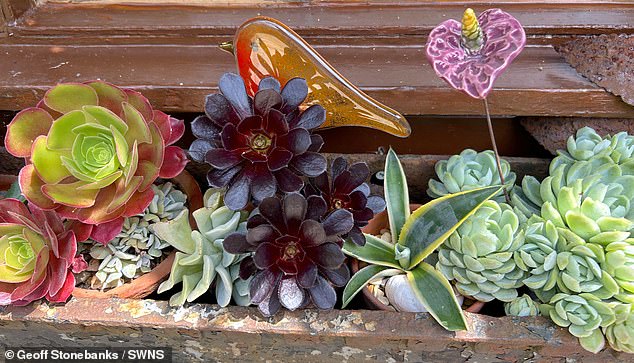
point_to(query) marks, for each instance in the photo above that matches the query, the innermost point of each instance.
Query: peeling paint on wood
(200, 332)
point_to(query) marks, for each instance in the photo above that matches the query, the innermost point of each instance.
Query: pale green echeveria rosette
(558, 261)
(467, 171)
(135, 250)
(201, 259)
(521, 306)
(619, 263)
(479, 255)
(583, 315)
(620, 334)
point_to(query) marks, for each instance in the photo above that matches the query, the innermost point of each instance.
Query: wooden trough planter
(201, 332)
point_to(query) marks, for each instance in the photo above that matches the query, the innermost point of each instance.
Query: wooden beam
(177, 77)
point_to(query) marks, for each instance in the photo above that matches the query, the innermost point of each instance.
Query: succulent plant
(583, 315)
(469, 170)
(201, 259)
(557, 261)
(93, 150)
(132, 252)
(297, 255)
(346, 189)
(261, 144)
(620, 334)
(521, 306)
(471, 54)
(414, 237)
(37, 255)
(619, 263)
(479, 255)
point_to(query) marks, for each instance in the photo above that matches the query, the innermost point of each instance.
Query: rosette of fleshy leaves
(479, 255)
(135, 250)
(521, 306)
(297, 256)
(92, 151)
(467, 171)
(201, 260)
(558, 261)
(471, 54)
(258, 145)
(37, 255)
(589, 157)
(583, 315)
(620, 334)
(345, 188)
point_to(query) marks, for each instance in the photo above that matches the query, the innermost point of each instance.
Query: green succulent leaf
(396, 194)
(362, 278)
(430, 225)
(435, 293)
(375, 251)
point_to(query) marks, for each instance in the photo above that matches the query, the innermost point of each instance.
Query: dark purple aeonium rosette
(346, 189)
(469, 55)
(261, 144)
(297, 255)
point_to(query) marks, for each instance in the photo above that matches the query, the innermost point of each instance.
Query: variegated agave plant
(136, 250)
(201, 260)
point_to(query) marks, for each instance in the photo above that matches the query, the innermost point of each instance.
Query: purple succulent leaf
(307, 276)
(263, 284)
(271, 305)
(276, 123)
(338, 277)
(297, 140)
(322, 294)
(222, 158)
(356, 236)
(232, 87)
(279, 158)
(219, 178)
(247, 268)
(219, 111)
(321, 183)
(375, 203)
(364, 188)
(261, 233)
(363, 215)
(313, 117)
(358, 200)
(266, 100)
(237, 243)
(250, 124)
(294, 93)
(204, 128)
(256, 220)
(238, 193)
(294, 206)
(269, 83)
(504, 39)
(231, 138)
(327, 255)
(266, 255)
(263, 184)
(338, 223)
(316, 207)
(309, 163)
(288, 181)
(291, 295)
(198, 149)
(316, 143)
(271, 210)
(338, 166)
(311, 233)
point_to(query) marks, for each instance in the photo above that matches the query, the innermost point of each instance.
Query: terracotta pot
(147, 283)
(374, 227)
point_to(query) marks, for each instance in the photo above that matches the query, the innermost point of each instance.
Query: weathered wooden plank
(362, 18)
(177, 77)
(206, 332)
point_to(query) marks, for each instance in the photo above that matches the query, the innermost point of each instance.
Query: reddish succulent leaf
(174, 161)
(140, 103)
(323, 295)
(31, 186)
(65, 291)
(110, 96)
(106, 232)
(25, 127)
(178, 129)
(82, 230)
(139, 201)
(57, 275)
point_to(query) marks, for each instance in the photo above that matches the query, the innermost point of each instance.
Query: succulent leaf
(521, 306)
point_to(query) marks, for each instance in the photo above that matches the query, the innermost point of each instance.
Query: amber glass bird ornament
(266, 47)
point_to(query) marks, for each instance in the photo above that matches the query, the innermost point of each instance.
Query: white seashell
(402, 297)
